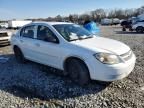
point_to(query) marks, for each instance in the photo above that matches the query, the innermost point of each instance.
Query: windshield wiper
(80, 38)
(73, 39)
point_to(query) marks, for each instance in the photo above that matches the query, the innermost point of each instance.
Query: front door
(47, 47)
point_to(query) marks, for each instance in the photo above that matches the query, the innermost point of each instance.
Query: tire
(78, 72)
(123, 29)
(19, 55)
(130, 29)
(140, 29)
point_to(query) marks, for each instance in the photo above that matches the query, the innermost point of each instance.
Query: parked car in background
(5, 37)
(133, 23)
(106, 21)
(15, 24)
(115, 21)
(140, 17)
(138, 26)
(112, 21)
(73, 49)
(4, 25)
(126, 24)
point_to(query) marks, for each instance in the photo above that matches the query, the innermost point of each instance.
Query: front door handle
(37, 44)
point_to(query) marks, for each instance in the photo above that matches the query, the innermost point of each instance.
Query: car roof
(50, 23)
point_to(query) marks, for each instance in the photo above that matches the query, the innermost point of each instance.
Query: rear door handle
(37, 44)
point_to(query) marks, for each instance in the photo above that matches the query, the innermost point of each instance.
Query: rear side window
(28, 32)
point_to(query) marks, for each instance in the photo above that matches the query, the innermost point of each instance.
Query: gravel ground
(33, 85)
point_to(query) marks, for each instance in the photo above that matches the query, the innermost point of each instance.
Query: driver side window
(45, 34)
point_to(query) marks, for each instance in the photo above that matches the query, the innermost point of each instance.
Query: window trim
(35, 27)
(55, 36)
(61, 34)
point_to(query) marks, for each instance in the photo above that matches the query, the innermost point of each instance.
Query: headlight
(107, 58)
(9, 33)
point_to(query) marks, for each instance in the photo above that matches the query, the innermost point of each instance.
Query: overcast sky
(21, 9)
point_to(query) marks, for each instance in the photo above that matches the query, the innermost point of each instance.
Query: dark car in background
(126, 24)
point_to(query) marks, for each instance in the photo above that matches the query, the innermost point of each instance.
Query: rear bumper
(105, 72)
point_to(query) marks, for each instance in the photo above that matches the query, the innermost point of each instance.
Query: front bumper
(4, 40)
(104, 72)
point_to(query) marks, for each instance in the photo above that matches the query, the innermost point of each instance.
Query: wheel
(123, 29)
(130, 28)
(140, 29)
(19, 55)
(78, 72)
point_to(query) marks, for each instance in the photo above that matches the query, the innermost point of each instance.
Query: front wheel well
(139, 27)
(76, 58)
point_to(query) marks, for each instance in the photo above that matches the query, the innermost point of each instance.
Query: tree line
(97, 15)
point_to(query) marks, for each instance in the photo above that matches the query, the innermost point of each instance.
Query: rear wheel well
(18, 54)
(15, 47)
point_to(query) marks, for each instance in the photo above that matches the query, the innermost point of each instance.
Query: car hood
(106, 44)
(3, 31)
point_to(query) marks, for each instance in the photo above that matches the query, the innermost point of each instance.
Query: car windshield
(72, 32)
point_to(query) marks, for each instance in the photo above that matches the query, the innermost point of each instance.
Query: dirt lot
(32, 85)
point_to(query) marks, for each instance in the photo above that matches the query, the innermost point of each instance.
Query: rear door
(27, 38)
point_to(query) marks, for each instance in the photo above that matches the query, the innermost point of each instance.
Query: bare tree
(97, 15)
(59, 18)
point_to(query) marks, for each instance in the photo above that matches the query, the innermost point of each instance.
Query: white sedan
(71, 48)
